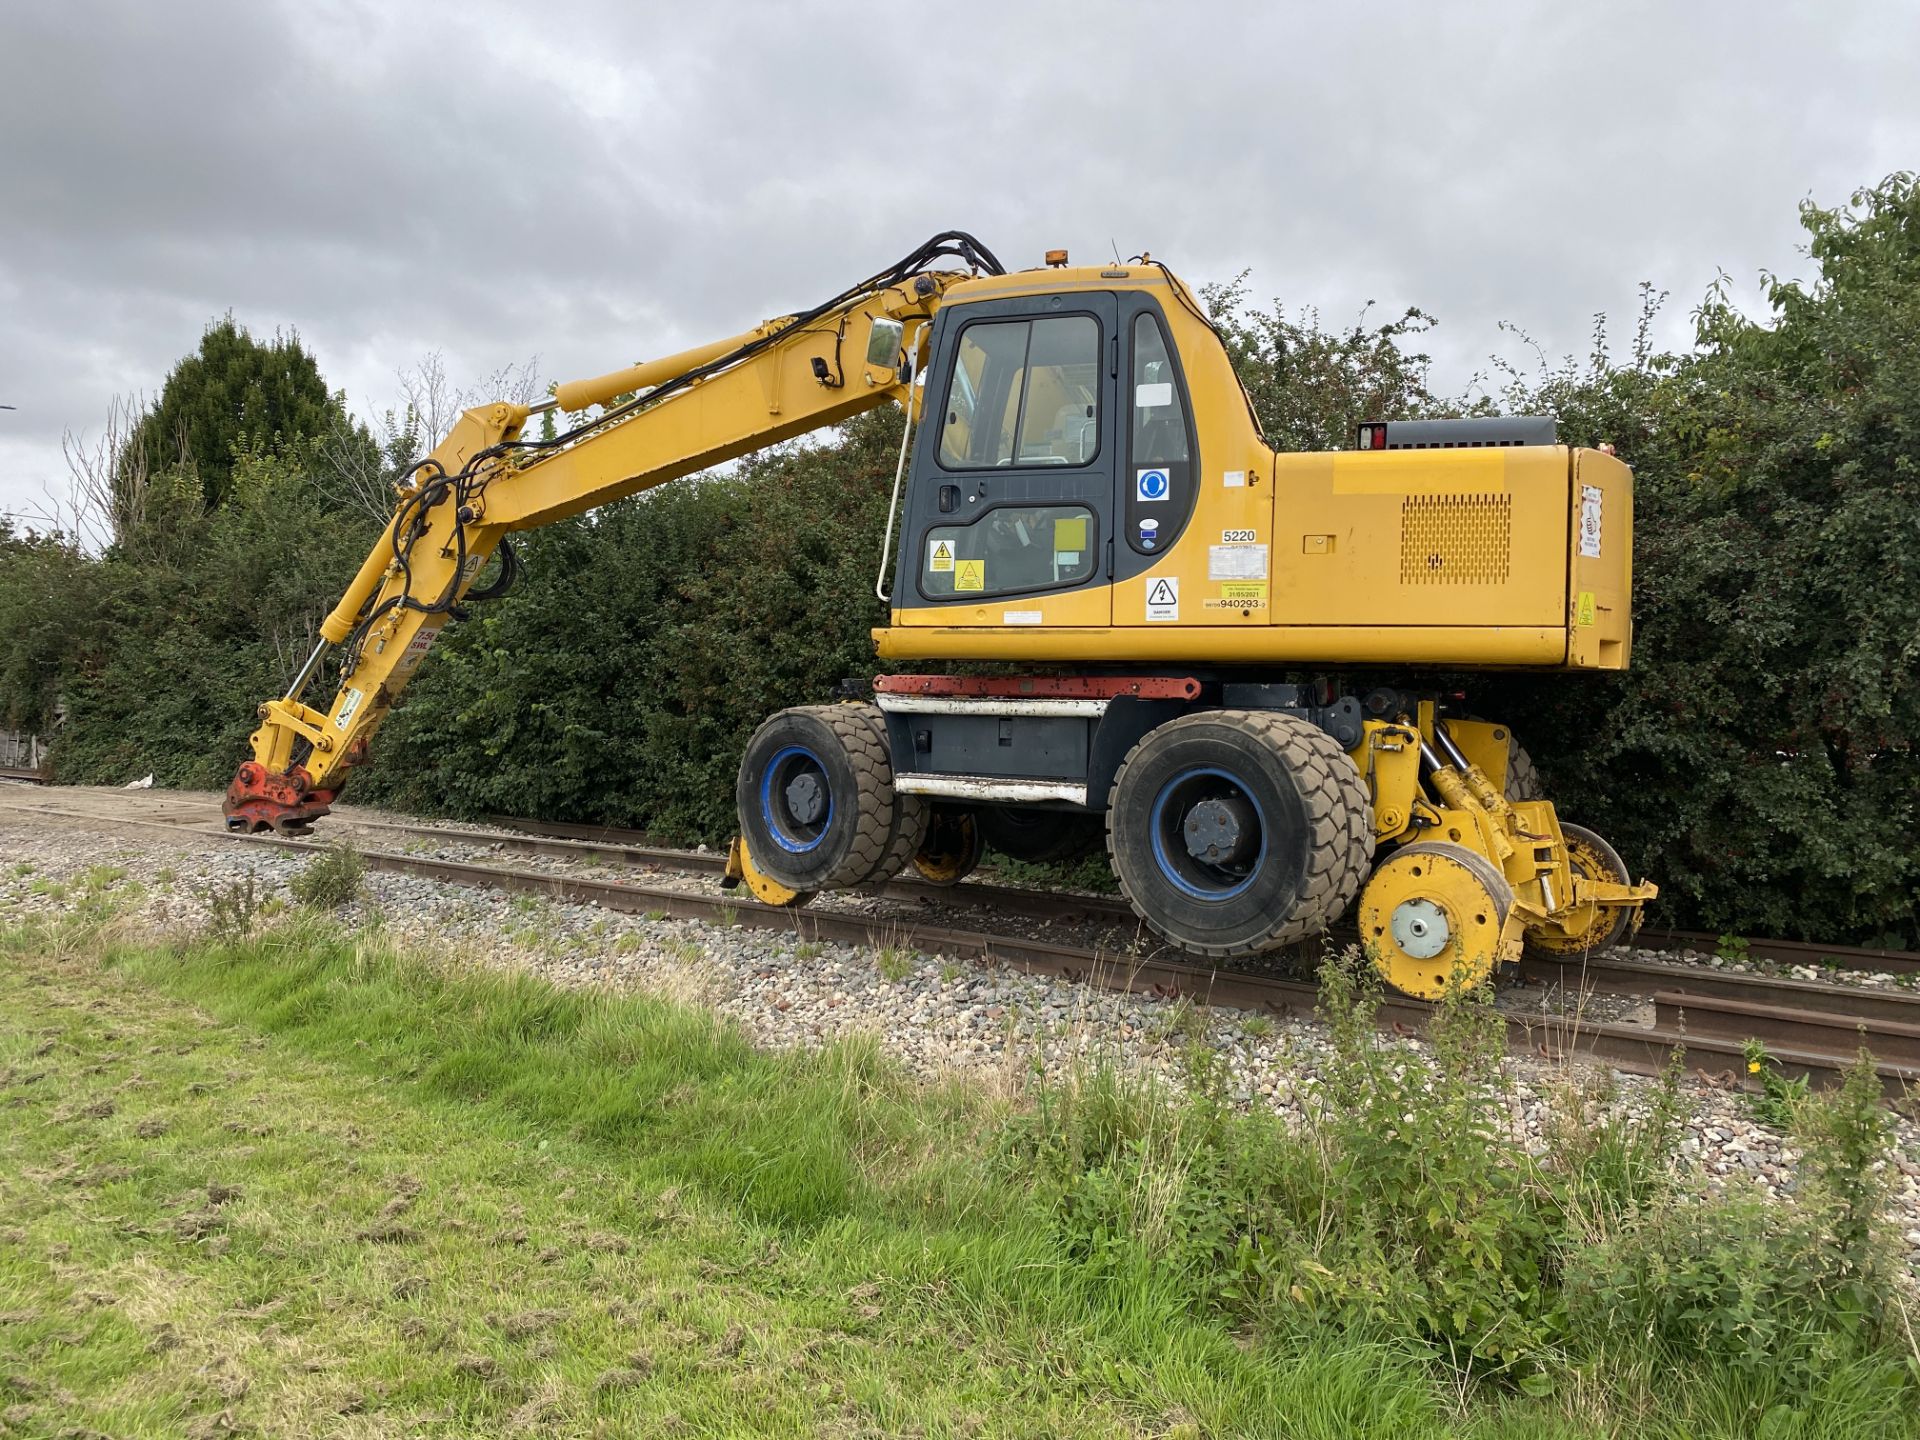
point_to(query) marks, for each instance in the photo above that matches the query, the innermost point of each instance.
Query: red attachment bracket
(1023, 687)
(259, 800)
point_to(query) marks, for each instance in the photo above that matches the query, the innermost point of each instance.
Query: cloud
(596, 183)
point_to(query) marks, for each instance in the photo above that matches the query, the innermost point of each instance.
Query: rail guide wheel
(1435, 914)
(762, 886)
(815, 797)
(1235, 832)
(1582, 929)
(951, 848)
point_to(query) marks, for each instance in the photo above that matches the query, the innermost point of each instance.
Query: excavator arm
(664, 419)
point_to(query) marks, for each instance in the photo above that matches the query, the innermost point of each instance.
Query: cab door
(1010, 512)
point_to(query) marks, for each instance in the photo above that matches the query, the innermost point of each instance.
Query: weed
(950, 971)
(894, 962)
(1734, 949)
(729, 916)
(808, 950)
(1256, 1027)
(1844, 1135)
(653, 916)
(1779, 1099)
(331, 879)
(1182, 1021)
(51, 889)
(232, 910)
(23, 868)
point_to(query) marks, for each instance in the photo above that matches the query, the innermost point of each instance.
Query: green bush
(330, 879)
(619, 683)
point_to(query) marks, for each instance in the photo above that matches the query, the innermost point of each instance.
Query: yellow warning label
(970, 575)
(1583, 611)
(940, 556)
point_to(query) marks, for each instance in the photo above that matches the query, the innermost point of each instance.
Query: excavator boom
(664, 419)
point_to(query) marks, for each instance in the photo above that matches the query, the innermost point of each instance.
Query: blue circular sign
(1153, 485)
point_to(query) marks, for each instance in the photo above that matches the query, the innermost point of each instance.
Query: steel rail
(1627, 1047)
(1606, 976)
(1789, 952)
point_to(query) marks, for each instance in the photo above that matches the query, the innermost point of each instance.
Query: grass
(894, 962)
(298, 1183)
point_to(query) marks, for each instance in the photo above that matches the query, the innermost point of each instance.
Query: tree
(234, 394)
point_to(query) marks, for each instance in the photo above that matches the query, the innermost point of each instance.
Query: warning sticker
(416, 651)
(970, 575)
(1163, 598)
(939, 556)
(1020, 617)
(347, 707)
(1583, 611)
(1240, 595)
(1236, 562)
(1233, 479)
(1590, 500)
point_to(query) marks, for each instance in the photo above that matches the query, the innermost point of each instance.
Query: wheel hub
(806, 798)
(1420, 928)
(1222, 831)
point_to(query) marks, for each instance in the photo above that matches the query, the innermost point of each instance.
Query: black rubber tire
(1041, 837)
(911, 816)
(1316, 815)
(847, 745)
(1523, 777)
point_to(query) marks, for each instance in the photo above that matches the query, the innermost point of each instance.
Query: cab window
(1009, 548)
(1159, 482)
(1024, 393)
(1159, 419)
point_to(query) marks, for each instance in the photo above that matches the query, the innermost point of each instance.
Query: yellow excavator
(1203, 634)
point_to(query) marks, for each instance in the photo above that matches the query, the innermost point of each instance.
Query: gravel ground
(937, 1015)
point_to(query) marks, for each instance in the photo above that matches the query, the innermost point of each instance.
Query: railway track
(1810, 1027)
(1789, 952)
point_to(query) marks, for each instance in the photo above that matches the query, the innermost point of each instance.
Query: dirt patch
(528, 1322)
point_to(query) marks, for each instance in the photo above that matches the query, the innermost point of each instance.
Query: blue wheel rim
(1190, 876)
(790, 833)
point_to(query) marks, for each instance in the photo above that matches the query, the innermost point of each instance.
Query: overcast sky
(599, 183)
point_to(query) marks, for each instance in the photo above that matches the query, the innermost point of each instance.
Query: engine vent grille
(1455, 539)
